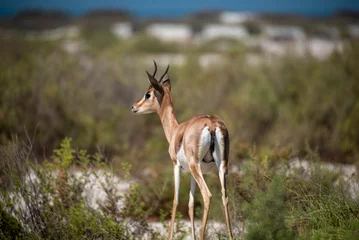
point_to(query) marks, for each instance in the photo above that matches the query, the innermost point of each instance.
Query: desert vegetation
(64, 112)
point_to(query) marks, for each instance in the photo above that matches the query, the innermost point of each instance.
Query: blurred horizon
(161, 8)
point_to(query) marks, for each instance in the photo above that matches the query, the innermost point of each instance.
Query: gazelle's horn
(155, 71)
(164, 74)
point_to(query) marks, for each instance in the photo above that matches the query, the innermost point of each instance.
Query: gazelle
(196, 145)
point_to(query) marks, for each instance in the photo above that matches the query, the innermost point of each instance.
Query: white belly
(182, 160)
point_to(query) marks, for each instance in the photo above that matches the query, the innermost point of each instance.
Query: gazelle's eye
(147, 95)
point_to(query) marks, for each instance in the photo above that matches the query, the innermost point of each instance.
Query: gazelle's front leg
(191, 205)
(176, 171)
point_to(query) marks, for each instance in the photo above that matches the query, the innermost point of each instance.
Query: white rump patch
(218, 153)
(204, 148)
(204, 143)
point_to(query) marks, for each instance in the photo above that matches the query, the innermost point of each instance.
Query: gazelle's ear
(166, 82)
(154, 83)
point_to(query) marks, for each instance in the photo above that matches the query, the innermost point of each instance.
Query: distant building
(213, 31)
(280, 33)
(319, 48)
(170, 32)
(122, 30)
(322, 48)
(235, 17)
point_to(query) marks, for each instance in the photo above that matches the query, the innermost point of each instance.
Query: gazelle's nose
(133, 109)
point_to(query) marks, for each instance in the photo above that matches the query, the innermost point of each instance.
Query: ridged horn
(164, 74)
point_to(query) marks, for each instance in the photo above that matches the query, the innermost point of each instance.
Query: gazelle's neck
(168, 117)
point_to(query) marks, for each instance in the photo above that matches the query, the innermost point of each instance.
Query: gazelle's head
(152, 99)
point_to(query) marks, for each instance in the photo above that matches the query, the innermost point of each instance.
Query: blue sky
(174, 8)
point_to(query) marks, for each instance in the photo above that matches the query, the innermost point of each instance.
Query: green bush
(278, 202)
(44, 201)
(265, 215)
(99, 39)
(145, 44)
(10, 228)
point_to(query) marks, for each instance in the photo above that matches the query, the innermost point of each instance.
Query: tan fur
(187, 135)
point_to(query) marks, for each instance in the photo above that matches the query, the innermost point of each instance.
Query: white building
(213, 31)
(284, 32)
(122, 30)
(170, 32)
(235, 17)
(322, 48)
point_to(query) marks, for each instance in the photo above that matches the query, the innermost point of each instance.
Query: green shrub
(45, 201)
(278, 202)
(265, 215)
(10, 228)
(99, 39)
(145, 44)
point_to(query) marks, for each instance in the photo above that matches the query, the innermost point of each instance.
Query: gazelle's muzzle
(134, 110)
(136, 106)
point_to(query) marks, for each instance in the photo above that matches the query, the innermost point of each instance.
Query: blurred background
(283, 75)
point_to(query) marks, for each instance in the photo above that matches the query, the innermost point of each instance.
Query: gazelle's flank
(196, 145)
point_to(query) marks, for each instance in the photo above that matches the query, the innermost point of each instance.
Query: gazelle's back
(201, 121)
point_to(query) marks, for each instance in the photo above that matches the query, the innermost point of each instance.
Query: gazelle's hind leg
(206, 194)
(195, 151)
(220, 155)
(191, 205)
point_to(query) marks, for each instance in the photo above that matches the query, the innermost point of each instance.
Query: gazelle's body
(204, 132)
(196, 145)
